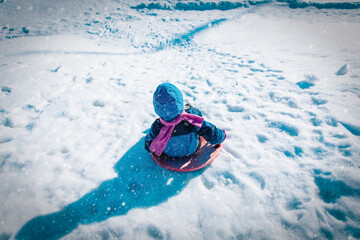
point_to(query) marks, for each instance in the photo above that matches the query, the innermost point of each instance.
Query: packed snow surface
(281, 77)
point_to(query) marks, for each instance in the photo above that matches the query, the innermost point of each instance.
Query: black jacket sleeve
(209, 131)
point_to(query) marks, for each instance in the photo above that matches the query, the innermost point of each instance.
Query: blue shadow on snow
(141, 183)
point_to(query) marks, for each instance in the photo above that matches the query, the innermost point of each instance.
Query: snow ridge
(199, 5)
(321, 5)
(183, 39)
(229, 5)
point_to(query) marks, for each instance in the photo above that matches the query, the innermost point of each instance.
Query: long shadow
(141, 183)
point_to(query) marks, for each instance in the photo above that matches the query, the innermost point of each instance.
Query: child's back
(184, 137)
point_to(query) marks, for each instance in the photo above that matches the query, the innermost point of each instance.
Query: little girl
(177, 132)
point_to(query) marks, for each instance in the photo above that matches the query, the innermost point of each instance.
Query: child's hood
(168, 101)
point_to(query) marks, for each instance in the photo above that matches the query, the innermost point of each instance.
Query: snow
(76, 101)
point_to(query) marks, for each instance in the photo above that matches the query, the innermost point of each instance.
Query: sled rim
(183, 168)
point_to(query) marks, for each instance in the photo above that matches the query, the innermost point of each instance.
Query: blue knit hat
(168, 101)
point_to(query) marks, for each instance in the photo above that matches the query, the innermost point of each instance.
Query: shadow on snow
(141, 183)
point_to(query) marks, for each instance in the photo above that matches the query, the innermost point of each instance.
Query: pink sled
(202, 158)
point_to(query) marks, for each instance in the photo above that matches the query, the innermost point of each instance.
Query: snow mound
(322, 4)
(199, 5)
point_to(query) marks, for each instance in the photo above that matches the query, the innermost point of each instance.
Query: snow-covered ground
(76, 85)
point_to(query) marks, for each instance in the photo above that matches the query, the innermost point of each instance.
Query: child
(177, 132)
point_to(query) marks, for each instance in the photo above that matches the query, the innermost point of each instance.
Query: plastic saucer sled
(203, 157)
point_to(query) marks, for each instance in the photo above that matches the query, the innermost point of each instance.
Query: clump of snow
(343, 70)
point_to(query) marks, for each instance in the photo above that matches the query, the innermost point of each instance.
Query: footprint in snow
(315, 122)
(154, 232)
(305, 84)
(286, 100)
(6, 90)
(284, 127)
(207, 183)
(308, 82)
(294, 204)
(30, 126)
(89, 79)
(339, 136)
(8, 123)
(5, 140)
(258, 179)
(318, 101)
(330, 190)
(3, 158)
(235, 108)
(98, 103)
(331, 121)
(337, 213)
(345, 150)
(262, 138)
(228, 178)
(256, 69)
(298, 151)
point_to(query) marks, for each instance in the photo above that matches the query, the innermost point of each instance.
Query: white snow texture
(281, 77)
